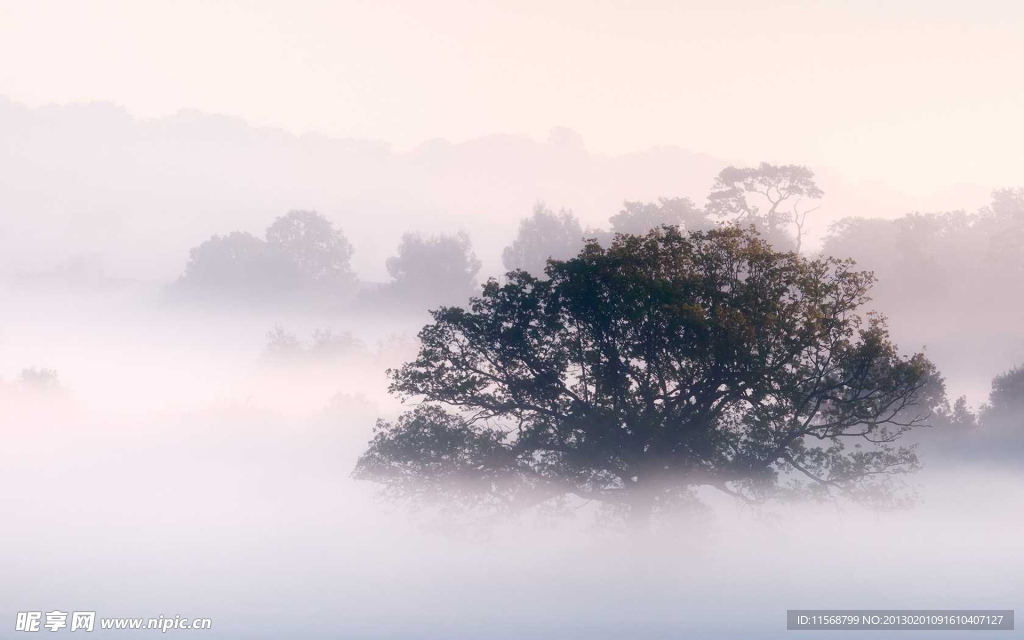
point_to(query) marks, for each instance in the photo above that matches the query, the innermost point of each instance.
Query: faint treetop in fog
(40, 380)
(325, 347)
(639, 218)
(240, 263)
(949, 267)
(914, 254)
(438, 269)
(281, 345)
(1005, 219)
(37, 386)
(541, 236)
(320, 251)
(664, 362)
(303, 254)
(772, 198)
(566, 138)
(1005, 407)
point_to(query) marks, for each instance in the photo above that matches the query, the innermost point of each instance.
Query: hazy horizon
(225, 175)
(824, 84)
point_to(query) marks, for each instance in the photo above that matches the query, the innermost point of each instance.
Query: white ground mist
(181, 476)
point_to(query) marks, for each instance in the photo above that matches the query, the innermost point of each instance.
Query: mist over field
(350, 329)
(180, 474)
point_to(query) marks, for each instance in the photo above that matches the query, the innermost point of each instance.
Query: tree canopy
(635, 373)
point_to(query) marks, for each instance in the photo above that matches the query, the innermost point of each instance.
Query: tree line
(948, 266)
(303, 256)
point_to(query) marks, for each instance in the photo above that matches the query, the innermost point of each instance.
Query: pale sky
(920, 95)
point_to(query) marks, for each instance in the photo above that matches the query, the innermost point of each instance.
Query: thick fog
(203, 319)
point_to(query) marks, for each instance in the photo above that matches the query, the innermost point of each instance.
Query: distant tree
(40, 380)
(771, 197)
(916, 256)
(320, 252)
(639, 218)
(637, 372)
(1003, 224)
(327, 344)
(949, 266)
(326, 347)
(542, 236)
(303, 255)
(240, 263)
(436, 270)
(37, 386)
(956, 417)
(1005, 407)
(282, 346)
(872, 241)
(960, 416)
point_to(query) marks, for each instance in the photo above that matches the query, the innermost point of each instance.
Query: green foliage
(663, 362)
(431, 455)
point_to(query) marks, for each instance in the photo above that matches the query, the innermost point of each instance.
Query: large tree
(772, 198)
(664, 362)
